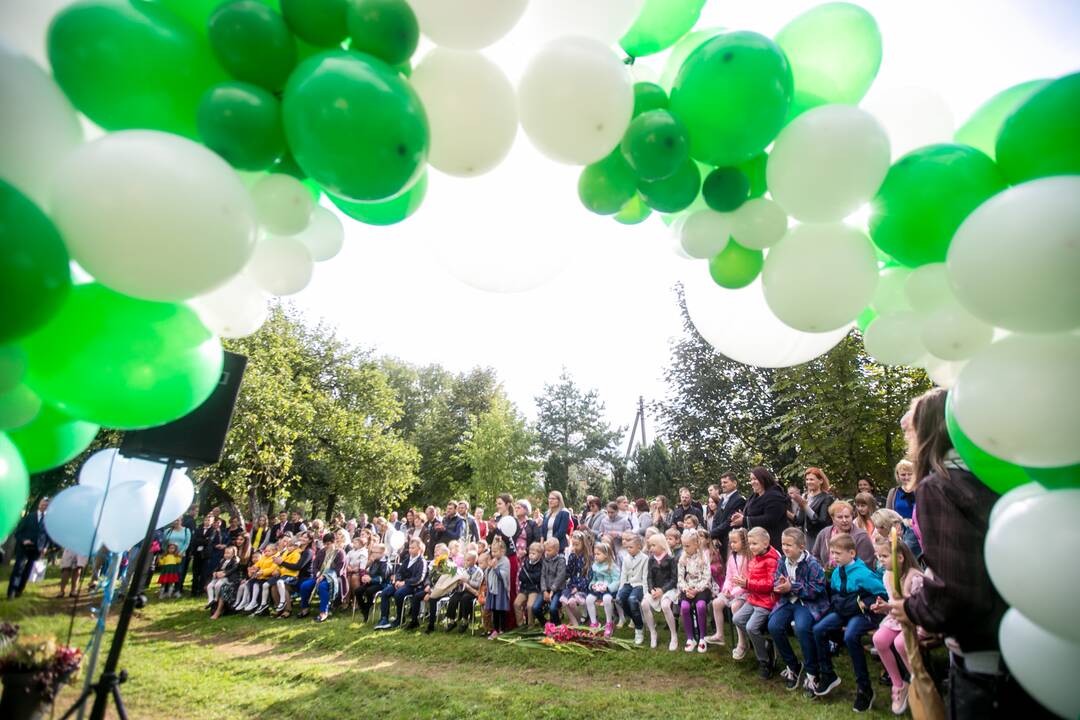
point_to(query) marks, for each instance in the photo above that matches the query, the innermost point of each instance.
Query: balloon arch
(227, 122)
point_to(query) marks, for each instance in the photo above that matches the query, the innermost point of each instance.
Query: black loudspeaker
(199, 437)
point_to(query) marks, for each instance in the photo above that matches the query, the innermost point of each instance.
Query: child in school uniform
(256, 591)
(459, 609)
(552, 583)
(661, 589)
(603, 584)
(529, 584)
(498, 588)
(578, 569)
(802, 599)
(753, 616)
(733, 596)
(442, 565)
(854, 589)
(674, 539)
(169, 571)
(694, 593)
(634, 576)
(890, 635)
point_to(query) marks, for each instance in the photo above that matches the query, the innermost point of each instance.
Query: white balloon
(71, 519)
(235, 310)
(889, 295)
(1043, 663)
(820, 277)
(827, 163)
(895, 339)
(952, 333)
(18, 407)
(1019, 400)
(108, 470)
(471, 109)
(604, 20)
(126, 513)
(467, 24)
(942, 372)
(576, 99)
(40, 127)
(1006, 501)
(154, 215)
(927, 287)
(705, 233)
(324, 236)
(282, 203)
(740, 325)
(281, 265)
(759, 224)
(1015, 261)
(912, 117)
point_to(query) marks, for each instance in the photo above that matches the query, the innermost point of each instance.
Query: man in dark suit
(687, 506)
(279, 527)
(471, 533)
(730, 502)
(31, 540)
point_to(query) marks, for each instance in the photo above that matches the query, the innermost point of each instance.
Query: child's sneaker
(825, 683)
(702, 646)
(494, 634)
(594, 626)
(690, 645)
(639, 637)
(900, 700)
(608, 629)
(864, 698)
(791, 676)
(808, 686)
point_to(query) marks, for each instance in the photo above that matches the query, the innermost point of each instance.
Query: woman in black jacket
(765, 508)
(812, 513)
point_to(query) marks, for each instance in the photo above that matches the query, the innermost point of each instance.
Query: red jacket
(759, 579)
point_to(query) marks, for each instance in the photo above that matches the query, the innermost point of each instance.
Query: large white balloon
(895, 338)
(889, 294)
(951, 333)
(943, 372)
(759, 223)
(576, 99)
(126, 513)
(1048, 520)
(1043, 663)
(282, 203)
(281, 265)
(705, 233)
(604, 20)
(471, 108)
(740, 325)
(108, 470)
(912, 117)
(154, 215)
(40, 128)
(927, 287)
(235, 310)
(72, 519)
(1015, 261)
(1019, 400)
(467, 24)
(324, 236)
(827, 163)
(820, 277)
(1006, 501)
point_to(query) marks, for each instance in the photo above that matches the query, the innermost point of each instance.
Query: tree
(500, 449)
(572, 432)
(652, 471)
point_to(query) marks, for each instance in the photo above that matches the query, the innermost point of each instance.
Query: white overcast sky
(601, 302)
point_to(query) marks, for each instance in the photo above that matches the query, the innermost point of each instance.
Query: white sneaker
(738, 653)
(690, 645)
(674, 644)
(639, 637)
(701, 646)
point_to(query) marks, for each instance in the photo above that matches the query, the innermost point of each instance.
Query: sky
(589, 294)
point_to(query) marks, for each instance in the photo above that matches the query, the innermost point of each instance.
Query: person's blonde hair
(539, 547)
(886, 519)
(660, 541)
(795, 534)
(650, 531)
(843, 541)
(604, 549)
(556, 493)
(759, 532)
(904, 464)
(690, 535)
(633, 539)
(838, 505)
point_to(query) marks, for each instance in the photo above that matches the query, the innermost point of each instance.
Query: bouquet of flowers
(50, 663)
(565, 638)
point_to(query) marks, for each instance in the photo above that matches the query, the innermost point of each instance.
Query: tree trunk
(331, 503)
(254, 507)
(225, 497)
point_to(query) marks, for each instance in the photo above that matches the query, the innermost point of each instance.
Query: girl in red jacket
(753, 616)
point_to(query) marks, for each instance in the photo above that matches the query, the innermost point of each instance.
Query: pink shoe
(594, 626)
(494, 634)
(608, 629)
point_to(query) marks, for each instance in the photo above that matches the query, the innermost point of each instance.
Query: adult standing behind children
(731, 502)
(766, 508)
(556, 522)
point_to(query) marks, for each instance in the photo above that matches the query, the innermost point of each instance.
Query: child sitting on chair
(460, 608)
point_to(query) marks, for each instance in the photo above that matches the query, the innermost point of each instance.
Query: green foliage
(573, 434)
(501, 451)
(652, 472)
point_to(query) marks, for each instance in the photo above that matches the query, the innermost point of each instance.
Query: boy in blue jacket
(800, 582)
(854, 587)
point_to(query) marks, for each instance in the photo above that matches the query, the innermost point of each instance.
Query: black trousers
(975, 696)
(460, 606)
(366, 597)
(25, 557)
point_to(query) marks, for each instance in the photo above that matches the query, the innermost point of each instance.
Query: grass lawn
(182, 665)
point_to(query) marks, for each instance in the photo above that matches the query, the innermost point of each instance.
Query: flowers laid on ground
(565, 638)
(50, 662)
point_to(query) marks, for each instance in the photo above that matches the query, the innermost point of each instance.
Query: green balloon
(725, 189)
(649, 96)
(633, 212)
(732, 94)
(14, 486)
(196, 13)
(982, 128)
(242, 123)
(867, 316)
(113, 360)
(924, 198)
(681, 51)
(52, 439)
(997, 474)
(660, 25)
(355, 125)
(605, 187)
(1041, 137)
(386, 212)
(655, 145)
(1058, 478)
(754, 169)
(835, 53)
(35, 274)
(675, 192)
(322, 23)
(253, 43)
(735, 266)
(131, 65)
(386, 29)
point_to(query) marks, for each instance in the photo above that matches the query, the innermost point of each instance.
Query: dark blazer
(474, 531)
(201, 538)
(412, 576)
(769, 511)
(680, 512)
(32, 529)
(721, 522)
(379, 572)
(452, 528)
(532, 532)
(561, 525)
(233, 571)
(277, 530)
(815, 518)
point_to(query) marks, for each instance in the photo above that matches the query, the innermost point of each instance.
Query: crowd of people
(770, 562)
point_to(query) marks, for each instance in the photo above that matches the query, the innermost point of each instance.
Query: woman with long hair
(504, 508)
(766, 507)
(556, 522)
(661, 514)
(812, 514)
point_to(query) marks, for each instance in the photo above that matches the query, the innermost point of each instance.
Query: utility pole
(639, 420)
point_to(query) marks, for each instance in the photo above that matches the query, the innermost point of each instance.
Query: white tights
(609, 609)
(650, 605)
